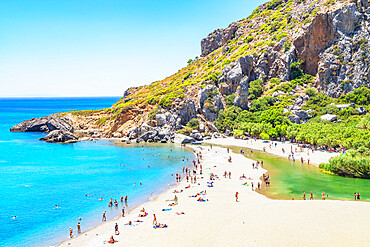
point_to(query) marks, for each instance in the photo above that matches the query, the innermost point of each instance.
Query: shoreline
(315, 158)
(244, 220)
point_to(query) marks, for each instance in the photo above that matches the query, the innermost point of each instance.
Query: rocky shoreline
(61, 130)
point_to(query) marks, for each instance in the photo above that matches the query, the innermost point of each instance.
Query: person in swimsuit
(304, 195)
(104, 218)
(311, 197)
(123, 211)
(78, 227)
(70, 232)
(116, 229)
(236, 196)
(155, 219)
(125, 199)
(111, 240)
(323, 195)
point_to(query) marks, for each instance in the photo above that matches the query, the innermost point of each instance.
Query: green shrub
(264, 136)
(349, 164)
(255, 89)
(287, 45)
(295, 70)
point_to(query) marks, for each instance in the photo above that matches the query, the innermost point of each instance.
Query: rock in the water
(329, 117)
(44, 124)
(60, 136)
(182, 139)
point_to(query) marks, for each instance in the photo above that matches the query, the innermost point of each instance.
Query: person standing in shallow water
(311, 197)
(304, 195)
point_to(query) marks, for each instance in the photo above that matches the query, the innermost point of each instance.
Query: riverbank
(254, 220)
(315, 158)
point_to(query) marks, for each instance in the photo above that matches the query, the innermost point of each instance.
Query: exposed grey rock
(361, 110)
(161, 119)
(44, 124)
(342, 107)
(212, 127)
(329, 117)
(60, 136)
(303, 115)
(275, 94)
(294, 119)
(187, 111)
(196, 136)
(242, 92)
(182, 139)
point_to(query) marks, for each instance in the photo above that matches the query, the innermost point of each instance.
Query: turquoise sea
(35, 176)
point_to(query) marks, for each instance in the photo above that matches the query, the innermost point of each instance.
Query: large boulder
(187, 111)
(182, 139)
(60, 136)
(329, 117)
(44, 124)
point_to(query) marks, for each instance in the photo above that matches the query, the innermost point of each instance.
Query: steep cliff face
(280, 41)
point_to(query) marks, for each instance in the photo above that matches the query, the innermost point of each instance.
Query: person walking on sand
(252, 186)
(116, 229)
(70, 232)
(229, 175)
(104, 218)
(154, 219)
(236, 196)
(123, 211)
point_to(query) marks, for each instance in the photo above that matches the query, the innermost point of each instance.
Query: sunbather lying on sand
(187, 187)
(200, 199)
(172, 204)
(129, 223)
(176, 191)
(177, 213)
(143, 215)
(158, 225)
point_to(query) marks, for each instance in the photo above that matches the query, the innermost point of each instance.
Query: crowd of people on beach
(192, 175)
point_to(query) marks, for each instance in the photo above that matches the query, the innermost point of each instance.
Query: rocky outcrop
(218, 38)
(43, 124)
(210, 102)
(60, 136)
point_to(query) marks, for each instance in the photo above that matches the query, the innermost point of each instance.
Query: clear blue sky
(102, 47)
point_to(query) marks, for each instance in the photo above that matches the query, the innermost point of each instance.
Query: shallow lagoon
(289, 179)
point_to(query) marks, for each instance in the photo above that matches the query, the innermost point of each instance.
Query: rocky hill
(286, 53)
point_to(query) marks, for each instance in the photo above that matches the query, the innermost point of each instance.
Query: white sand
(253, 221)
(315, 158)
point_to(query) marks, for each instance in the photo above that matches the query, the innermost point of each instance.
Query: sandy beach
(221, 221)
(316, 158)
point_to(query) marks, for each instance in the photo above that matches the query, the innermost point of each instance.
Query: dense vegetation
(349, 164)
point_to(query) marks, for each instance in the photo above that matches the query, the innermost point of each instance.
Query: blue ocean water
(35, 176)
